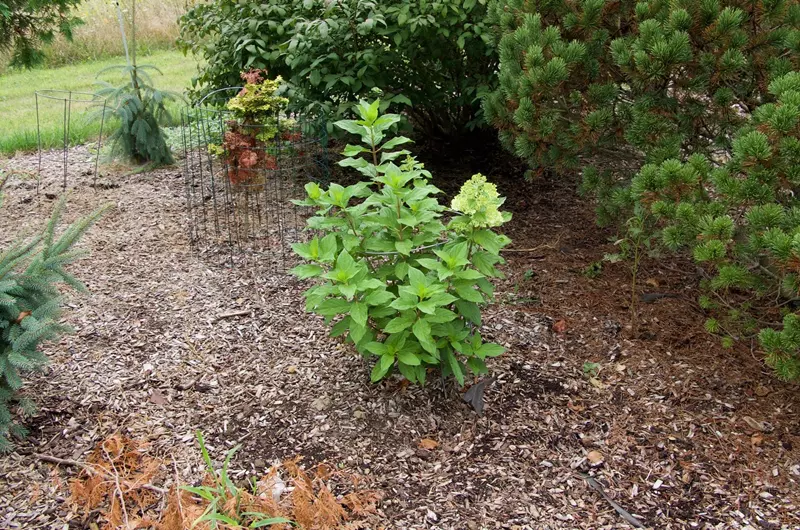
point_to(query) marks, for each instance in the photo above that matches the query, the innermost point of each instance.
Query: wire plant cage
(74, 109)
(241, 179)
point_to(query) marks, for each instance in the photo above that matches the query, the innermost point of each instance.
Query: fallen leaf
(158, 398)
(757, 439)
(560, 326)
(596, 383)
(575, 408)
(595, 458)
(321, 403)
(474, 395)
(427, 443)
(757, 425)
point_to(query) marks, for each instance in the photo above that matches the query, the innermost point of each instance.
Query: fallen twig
(91, 470)
(620, 510)
(534, 249)
(117, 487)
(242, 313)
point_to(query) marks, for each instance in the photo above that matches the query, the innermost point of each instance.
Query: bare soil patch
(663, 428)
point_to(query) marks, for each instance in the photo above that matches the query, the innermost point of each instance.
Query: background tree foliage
(638, 81)
(25, 24)
(434, 56)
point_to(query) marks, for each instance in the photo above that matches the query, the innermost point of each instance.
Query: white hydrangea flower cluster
(479, 200)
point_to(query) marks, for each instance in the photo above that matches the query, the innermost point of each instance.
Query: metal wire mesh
(241, 178)
(72, 106)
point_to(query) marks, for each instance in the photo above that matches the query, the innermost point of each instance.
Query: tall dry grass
(99, 37)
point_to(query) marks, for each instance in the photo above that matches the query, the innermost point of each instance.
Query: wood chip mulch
(671, 429)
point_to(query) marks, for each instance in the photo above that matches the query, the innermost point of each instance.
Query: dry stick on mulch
(242, 313)
(117, 486)
(534, 249)
(620, 510)
(92, 471)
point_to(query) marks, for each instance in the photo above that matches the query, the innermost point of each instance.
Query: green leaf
(358, 312)
(490, 349)
(377, 348)
(401, 269)
(487, 239)
(470, 311)
(345, 268)
(404, 302)
(382, 367)
(397, 324)
(394, 142)
(406, 357)
(421, 371)
(422, 330)
(484, 262)
(214, 516)
(327, 248)
(352, 127)
(430, 264)
(478, 366)
(306, 271)
(417, 279)
(379, 297)
(200, 492)
(409, 372)
(428, 307)
(441, 316)
(404, 247)
(357, 332)
(332, 307)
(454, 366)
(353, 150)
(341, 327)
(468, 293)
(469, 274)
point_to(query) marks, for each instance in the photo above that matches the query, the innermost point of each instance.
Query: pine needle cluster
(683, 117)
(32, 274)
(633, 81)
(741, 219)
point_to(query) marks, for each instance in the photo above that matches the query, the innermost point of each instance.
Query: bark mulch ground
(669, 427)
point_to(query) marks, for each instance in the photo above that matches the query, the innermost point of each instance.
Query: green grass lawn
(18, 104)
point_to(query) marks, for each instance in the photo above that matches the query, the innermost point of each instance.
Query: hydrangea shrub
(397, 279)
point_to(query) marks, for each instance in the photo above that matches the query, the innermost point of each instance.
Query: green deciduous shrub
(435, 56)
(30, 275)
(405, 287)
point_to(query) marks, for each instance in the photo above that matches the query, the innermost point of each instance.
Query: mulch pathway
(675, 430)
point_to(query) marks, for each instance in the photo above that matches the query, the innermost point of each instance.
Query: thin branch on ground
(117, 486)
(89, 469)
